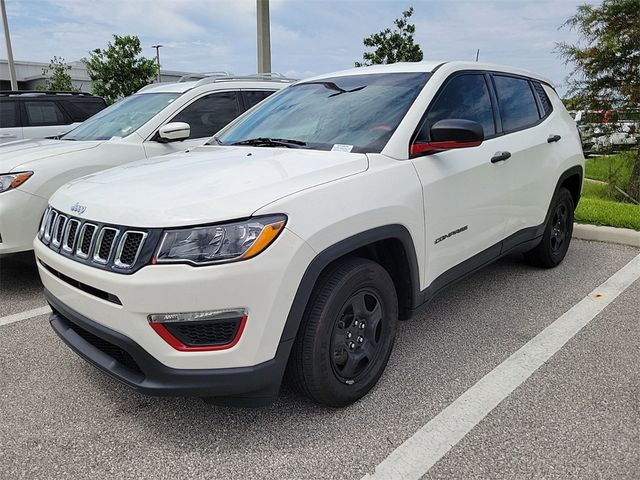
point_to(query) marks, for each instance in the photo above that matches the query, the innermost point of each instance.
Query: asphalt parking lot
(577, 416)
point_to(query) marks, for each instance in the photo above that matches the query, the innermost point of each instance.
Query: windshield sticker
(338, 147)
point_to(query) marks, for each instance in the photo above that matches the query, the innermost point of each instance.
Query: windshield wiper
(272, 142)
(339, 90)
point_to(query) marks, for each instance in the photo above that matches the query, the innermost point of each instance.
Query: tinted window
(253, 98)
(544, 99)
(44, 113)
(209, 114)
(85, 108)
(358, 113)
(465, 97)
(518, 107)
(8, 114)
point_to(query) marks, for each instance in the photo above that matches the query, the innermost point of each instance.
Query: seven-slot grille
(92, 243)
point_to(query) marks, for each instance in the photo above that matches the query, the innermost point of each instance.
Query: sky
(308, 37)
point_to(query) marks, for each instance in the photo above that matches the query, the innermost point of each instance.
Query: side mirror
(174, 132)
(451, 133)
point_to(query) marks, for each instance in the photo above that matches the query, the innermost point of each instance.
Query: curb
(622, 236)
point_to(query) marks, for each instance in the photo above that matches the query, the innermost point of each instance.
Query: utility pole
(7, 40)
(264, 37)
(157, 47)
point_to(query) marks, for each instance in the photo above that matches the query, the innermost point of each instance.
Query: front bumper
(264, 286)
(125, 360)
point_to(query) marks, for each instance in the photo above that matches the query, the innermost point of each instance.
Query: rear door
(528, 127)
(206, 115)
(465, 194)
(10, 125)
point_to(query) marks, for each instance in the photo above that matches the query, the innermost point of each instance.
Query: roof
(431, 66)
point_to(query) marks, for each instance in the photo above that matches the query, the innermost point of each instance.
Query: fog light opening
(200, 331)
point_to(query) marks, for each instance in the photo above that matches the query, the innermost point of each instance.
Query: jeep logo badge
(79, 209)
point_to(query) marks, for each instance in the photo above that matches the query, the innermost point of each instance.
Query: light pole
(264, 36)
(7, 39)
(157, 47)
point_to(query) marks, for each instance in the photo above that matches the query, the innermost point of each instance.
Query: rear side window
(465, 97)
(252, 98)
(518, 108)
(42, 113)
(209, 114)
(544, 98)
(8, 114)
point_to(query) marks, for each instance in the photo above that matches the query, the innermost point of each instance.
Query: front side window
(358, 113)
(123, 118)
(518, 108)
(209, 114)
(41, 113)
(464, 97)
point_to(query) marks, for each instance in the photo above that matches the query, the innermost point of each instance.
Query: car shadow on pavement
(19, 283)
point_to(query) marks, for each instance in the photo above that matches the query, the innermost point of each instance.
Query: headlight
(220, 243)
(13, 180)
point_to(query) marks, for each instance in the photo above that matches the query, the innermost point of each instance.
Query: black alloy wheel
(356, 335)
(347, 333)
(557, 233)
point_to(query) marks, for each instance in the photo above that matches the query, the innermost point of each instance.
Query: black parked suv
(36, 114)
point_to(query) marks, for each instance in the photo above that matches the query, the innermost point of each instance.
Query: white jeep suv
(303, 231)
(161, 118)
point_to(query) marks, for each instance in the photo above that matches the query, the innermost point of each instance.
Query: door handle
(500, 157)
(8, 135)
(553, 138)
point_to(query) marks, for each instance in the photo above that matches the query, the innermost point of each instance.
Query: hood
(205, 185)
(25, 154)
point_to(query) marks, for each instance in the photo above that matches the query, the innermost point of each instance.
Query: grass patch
(619, 166)
(596, 190)
(596, 210)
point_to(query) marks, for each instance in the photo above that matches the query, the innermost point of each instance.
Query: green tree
(393, 46)
(606, 61)
(57, 76)
(119, 70)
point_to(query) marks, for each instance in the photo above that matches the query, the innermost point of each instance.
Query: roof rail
(149, 86)
(42, 92)
(267, 77)
(199, 76)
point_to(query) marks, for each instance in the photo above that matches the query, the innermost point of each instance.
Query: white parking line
(16, 317)
(420, 452)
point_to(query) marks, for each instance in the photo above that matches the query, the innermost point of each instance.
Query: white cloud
(308, 37)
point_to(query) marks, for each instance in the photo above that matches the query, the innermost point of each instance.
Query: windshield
(356, 113)
(122, 118)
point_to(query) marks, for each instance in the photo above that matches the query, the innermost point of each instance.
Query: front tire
(557, 233)
(347, 333)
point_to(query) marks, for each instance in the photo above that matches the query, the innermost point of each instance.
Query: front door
(465, 194)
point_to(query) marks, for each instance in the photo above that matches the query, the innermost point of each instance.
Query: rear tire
(347, 333)
(557, 233)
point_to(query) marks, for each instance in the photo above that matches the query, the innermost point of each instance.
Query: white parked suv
(303, 231)
(160, 119)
